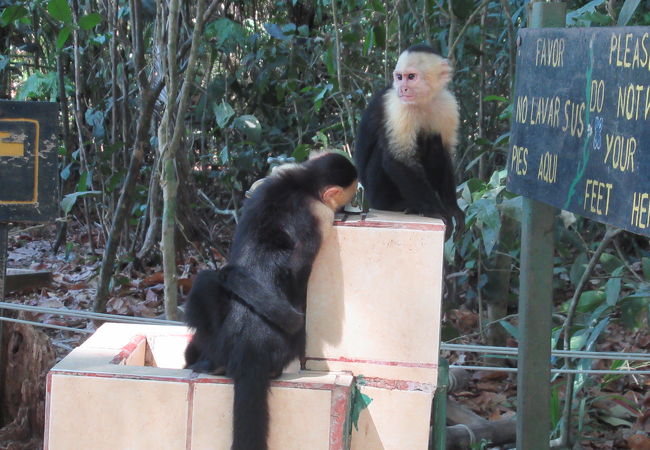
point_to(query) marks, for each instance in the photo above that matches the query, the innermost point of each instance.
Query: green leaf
(359, 403)
(369, 41)
(63, 36)
(556, 408)
(495, 98)
(250, 126)
(590, 300)
(69, 200)
(223, 112)
(12, 14)
(227, 33)
(610, 262)
(276, 32)
(95, 118)
(511, 329)
(380, 35)
(60, 10)
(82, 185)
(627, 11)
(301, 152)
(38, 86)
(613, 288)
(322, 93)
(378, 6)
(489, 221)
(90, 21)
(577, 341)
(616, 422)
(577, 268)
(65, 173)
(573, 17)
(595, 334)
(329, 61)
(224, 155)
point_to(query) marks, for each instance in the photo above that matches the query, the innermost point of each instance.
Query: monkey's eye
(398, 76)
(411, 76)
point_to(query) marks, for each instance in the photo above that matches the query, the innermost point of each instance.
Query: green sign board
(581, 123)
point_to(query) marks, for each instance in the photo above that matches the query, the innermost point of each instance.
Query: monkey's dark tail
(251, 411)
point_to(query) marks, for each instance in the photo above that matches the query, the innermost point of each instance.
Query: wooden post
(4, 241)
(535, 296)
(535, 310)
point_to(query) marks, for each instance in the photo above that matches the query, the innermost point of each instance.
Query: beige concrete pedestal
(124, 388)
(373, 308)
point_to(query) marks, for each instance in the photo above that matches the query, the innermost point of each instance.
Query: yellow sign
(10, 148)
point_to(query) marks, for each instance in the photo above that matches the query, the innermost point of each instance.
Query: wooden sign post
(580, 127)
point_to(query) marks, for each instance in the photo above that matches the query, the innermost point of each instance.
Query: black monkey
(249, 317)
(407, 138)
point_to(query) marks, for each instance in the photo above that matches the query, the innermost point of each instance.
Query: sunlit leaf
(95, 118)
(69, 200)
(90, 21)
(250, 126)
(590, 300)
(63, 36)
(60, 10)
(627, 11)
(11, 14)
(613, 287)
(39, 86)
(511, 329)
(301, 152)
(224, 155)
(223, 112)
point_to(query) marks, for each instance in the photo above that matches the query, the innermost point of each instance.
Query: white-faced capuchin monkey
(407, 138)
(249, 316)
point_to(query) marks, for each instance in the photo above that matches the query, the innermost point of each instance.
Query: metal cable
(558, 353)
(87, 314)
(46, 325)
(511, 351)
(576, 371)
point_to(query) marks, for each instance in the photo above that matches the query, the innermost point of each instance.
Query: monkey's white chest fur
(404, 122)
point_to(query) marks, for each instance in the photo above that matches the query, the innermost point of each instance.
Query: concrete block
(125, 388)
(373, 303)
(395, 419)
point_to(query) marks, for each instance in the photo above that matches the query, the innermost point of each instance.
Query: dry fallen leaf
(639, 442)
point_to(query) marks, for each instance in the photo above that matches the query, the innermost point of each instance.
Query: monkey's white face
(409, 85)
(419, 76)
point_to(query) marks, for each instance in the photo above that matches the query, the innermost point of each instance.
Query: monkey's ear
(331, 196)
(445, 71)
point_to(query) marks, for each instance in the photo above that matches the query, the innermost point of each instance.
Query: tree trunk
(170, 149)
(27, 357)
(126, 200)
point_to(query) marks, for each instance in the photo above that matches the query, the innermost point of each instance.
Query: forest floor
(615, 412)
